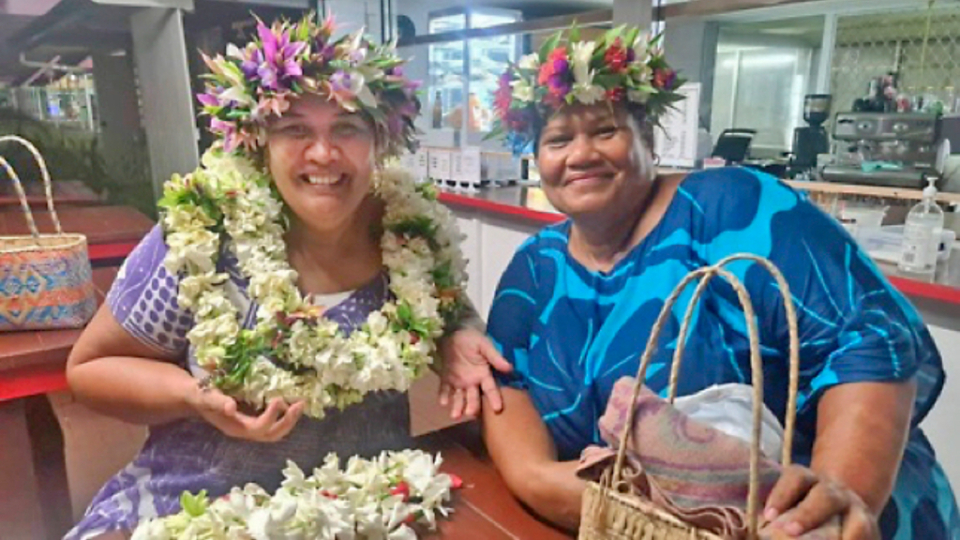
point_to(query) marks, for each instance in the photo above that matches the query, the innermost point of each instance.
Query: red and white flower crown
(624, 66)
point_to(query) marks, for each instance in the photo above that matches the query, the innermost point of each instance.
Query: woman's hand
(273, 424)
(801, 501)
(467, 356)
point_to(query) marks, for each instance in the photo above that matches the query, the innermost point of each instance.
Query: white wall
(489, 246)
(690, 45)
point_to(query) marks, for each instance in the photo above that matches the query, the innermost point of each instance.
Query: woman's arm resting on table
(113, 373)
(523, 452)
(861, 432)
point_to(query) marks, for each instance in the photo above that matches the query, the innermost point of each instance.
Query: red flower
(616, 56)
(556, 64)
(402, 489)
(455, 481)
(663, 78)
(616, 94)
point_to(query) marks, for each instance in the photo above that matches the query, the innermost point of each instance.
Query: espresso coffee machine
(811, 140)
(884, 149)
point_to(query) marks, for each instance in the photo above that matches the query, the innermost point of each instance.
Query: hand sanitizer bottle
(921, 235)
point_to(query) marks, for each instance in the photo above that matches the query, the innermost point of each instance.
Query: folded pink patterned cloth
(692, 470)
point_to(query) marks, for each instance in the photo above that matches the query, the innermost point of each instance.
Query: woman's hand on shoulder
(802, 500)
(221, 410)
(468, 356)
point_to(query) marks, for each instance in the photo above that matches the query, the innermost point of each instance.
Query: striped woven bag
(45, 279)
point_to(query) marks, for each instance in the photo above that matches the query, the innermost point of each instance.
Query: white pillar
(168, 104)
(826, 53)
(116, 93)
(690, 46)
(633, 12)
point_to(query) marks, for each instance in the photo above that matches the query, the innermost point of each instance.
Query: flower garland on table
(293, 352)
(624, 66)
(375, 499)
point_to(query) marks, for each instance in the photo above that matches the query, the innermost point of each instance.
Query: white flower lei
(293, 352)
(372, 499)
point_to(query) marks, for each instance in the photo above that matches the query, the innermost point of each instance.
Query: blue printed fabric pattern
(571, 332)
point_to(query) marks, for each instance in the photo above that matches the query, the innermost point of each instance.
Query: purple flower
(357, 56)
(340, 82)
(251, 63)
(227, 130)
(278, 62)
(268, 76)
(559, 84)
(560, 65)
(328, 52)
(208, 100)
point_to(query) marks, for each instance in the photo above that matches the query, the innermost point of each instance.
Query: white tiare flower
(580, 58)
(529, 61)
(382, 355)
(332, 503)
(522, 90)
(638, 96)
(588, 94)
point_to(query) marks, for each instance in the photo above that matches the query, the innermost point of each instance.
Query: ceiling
(808, 30)
(72, 29)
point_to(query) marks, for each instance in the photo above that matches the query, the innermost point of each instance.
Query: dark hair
(636, 111)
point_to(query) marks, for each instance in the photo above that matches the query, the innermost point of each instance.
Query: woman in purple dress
(320, 145)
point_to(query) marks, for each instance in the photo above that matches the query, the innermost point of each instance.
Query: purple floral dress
(191, 454)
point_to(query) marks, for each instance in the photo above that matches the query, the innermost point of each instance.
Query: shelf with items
(464, 73)
(837, 189)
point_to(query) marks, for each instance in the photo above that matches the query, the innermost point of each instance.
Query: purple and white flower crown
(624, 66)
(247, 86)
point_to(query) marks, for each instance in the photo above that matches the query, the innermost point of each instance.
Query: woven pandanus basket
(45, 279)
(612, 509)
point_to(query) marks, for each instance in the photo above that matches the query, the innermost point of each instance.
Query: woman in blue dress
(575, 306)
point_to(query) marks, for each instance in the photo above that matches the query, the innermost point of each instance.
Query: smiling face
(322, 160)
(592, 160)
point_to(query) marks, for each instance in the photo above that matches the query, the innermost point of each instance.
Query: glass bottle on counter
(921, 235)
(437, 111)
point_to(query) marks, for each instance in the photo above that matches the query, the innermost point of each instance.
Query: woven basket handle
(47, 185)
(707, 273)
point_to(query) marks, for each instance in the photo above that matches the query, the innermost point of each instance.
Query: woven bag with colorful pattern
(45, 279)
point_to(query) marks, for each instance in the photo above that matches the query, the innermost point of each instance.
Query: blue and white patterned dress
(192, 454)
(571, 332)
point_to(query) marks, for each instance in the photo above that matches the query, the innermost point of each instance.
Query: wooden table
(31, 453)
(484, 509)
(65, 192)
(32, 362)
(112, 231)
